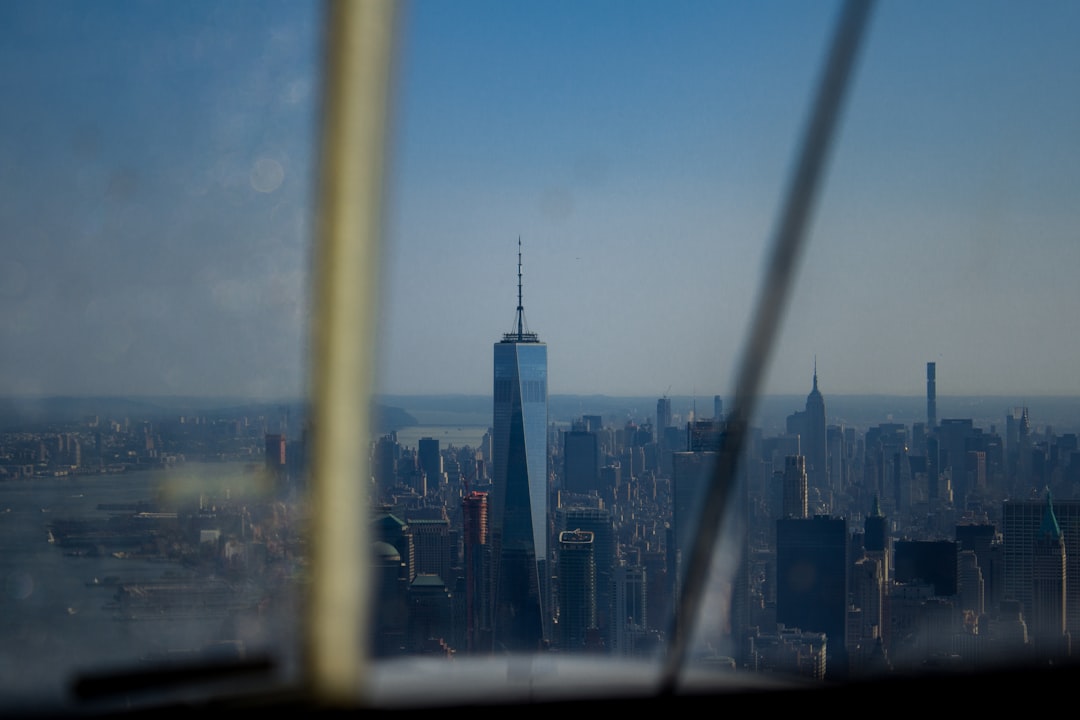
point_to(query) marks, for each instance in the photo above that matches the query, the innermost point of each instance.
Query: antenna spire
(520, 307)
(520, 333)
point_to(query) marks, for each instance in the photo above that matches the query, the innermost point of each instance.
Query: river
(59, 616)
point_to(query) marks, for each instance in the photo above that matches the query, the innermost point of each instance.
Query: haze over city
(158, 168)
(540, 479)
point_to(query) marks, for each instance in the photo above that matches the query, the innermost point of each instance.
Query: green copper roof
(1049, 525)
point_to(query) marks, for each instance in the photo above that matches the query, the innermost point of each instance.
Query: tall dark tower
(430, 461)
(1048, 577)
(519, 518)
(815, 444)
(1022, 521)
(877, 547)
(577, 589)
(474, 511)
(275, 457)
(876, 530)
(599, 524)
(663, 415)
(812, 557)
(795, 492)
(581, 460)
(931, 396)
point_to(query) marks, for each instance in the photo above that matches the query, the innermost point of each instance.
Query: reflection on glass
(641, 152)
(915, 511)
(156, 185)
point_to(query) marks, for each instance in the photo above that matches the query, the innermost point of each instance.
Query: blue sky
(156, 164)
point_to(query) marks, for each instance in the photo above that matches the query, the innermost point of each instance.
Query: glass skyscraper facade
(519, 519)
(519, 522)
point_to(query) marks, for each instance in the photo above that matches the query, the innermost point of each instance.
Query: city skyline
(158, 243)
(157, 199)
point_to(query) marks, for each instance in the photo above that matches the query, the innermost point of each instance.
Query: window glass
(640, 152)
(156, 189)
(579, 206)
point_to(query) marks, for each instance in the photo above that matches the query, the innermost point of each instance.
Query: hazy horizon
(264, 400)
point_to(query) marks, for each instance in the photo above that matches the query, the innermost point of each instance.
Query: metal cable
(786, 247)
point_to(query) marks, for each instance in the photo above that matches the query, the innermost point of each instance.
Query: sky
(156, 186)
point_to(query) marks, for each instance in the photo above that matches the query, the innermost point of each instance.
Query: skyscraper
(814, 441)
(931, 396)
(474, 511)
(598, 523)
(930, 561)
(577, 588)
(795, 492)
(1048, 575)
(876, 540)
(1022, 521)
(955, 436)
(812, 580)
(630, 600)
(581, 460)
(431, 461)
(275, 457)
(692, 474)
(432, 543)
(663, 416)
(519, 522)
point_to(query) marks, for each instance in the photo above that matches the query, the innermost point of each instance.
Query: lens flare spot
(267, 175)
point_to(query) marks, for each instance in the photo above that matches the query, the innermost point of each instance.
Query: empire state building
(519, 529)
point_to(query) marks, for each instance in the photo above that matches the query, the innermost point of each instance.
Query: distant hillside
(386, 419)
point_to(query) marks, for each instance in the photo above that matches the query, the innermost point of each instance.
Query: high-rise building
(931, 396)
(663, 416)
(519, 518)
(431, 614)
(430, 461)
(795, 490)
(1021, 525)
(581, 460)
(876, 541)
(592, 423)
(956, 436)
(868, 584)
(384, 460)
(971, 585)
(474, 511)
(432, 543)
(982, 539)
(704, 435)
(812, 580)
(834, 441)
(815, 438)
(935, 562)
(1048, 577)
(275, 456)
(599, 523)
(577, 589)
(692, 474)
(630, 601)
(934, 485)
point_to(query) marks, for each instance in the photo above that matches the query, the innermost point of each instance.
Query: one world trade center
(519, 504)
